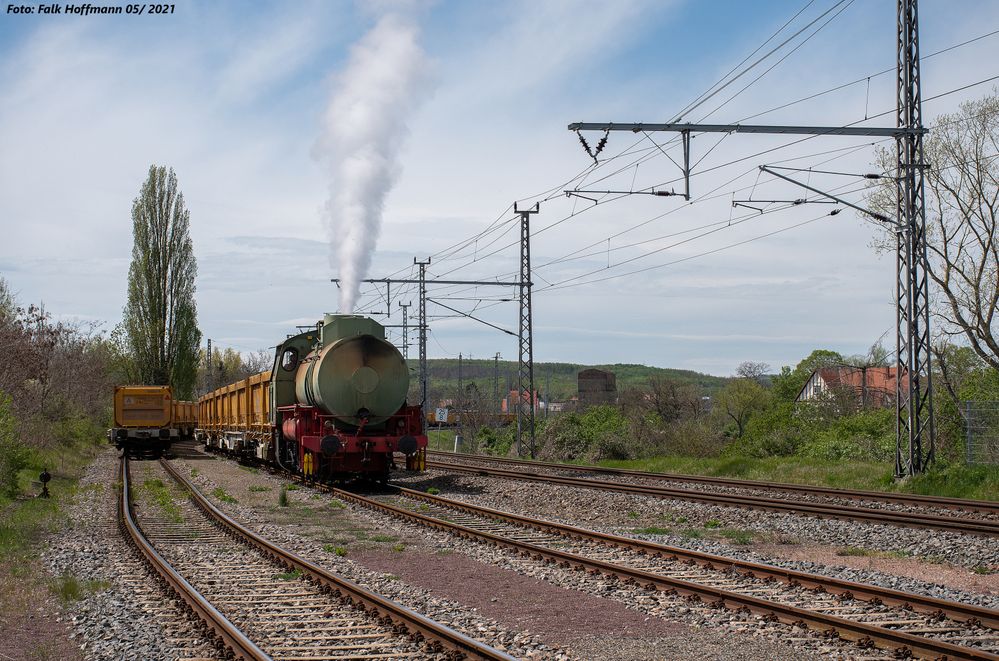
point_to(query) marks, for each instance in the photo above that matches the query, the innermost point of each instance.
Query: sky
(237, 97)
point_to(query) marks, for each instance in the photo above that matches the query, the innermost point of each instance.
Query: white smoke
(364, 127)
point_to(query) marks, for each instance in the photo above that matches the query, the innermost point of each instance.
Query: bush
(14, 455)
(600, 432)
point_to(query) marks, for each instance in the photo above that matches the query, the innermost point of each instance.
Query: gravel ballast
(603, 510)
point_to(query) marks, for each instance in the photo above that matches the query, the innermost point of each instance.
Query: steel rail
(418, 626)
(986, 506)
(865, 635)
(234, 640)
(845, 512)
(931, 605)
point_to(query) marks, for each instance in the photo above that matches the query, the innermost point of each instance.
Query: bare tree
(160, 316)
(962, 202)
(753, 370)
(673, 400)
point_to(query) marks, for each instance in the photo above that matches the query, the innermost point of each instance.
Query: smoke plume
(365, 124)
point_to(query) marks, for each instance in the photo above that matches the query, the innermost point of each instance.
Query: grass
(954, 480)
(712, 523)
(383, 538)
(291, 486)
(288, 575)
(158, 493)
(221, 494)
(399, 548)
(337, 505)
(691, 533)
(68, 588)
(249, 469)
(258, 488)
(737, 536)
(283, 497)
(194, 472)
(433, 491)
(632, 515)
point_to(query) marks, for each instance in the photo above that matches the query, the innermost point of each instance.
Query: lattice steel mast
(423, 333)
(525, 338)
(914, 404)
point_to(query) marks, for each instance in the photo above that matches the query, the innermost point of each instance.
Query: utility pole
(525, 365)
(405, 329)
(461, 395)
(423, 333)
(914, 450)
(914, 429)
(496, 397)
(211, 377)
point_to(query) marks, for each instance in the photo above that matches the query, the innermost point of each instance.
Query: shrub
(14, 455)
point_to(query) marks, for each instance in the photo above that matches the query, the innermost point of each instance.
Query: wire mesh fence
(981, 432)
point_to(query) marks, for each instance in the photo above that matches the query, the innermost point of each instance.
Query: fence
(981, 432)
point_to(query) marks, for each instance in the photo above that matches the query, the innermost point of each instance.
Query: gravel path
(127, 615)
(683, 523)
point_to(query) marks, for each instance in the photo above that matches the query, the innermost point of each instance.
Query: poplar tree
(160, 318)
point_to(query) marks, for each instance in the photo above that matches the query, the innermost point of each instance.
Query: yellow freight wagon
(143, 419)
(236, 417)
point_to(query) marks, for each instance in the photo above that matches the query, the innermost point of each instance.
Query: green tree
(160, 316)
(740, 399)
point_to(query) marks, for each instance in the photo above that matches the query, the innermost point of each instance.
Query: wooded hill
(561, 376)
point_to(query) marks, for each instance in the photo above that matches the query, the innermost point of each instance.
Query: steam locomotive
(332, 408)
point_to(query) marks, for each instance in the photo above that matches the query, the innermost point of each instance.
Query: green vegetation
(68, 588)
(288, 575)
(712, 523)
(433, 491)
(283, 497)
(258, 488)
(383, 538)
(336, 504)
(399, 548)
(340, 551)
(561, 376)
(737, 535)
(221, 494)
(159, 494)
(291, 486)
(249, 469)
(754, 429)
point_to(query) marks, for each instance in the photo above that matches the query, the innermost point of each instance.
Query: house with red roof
(864, 387)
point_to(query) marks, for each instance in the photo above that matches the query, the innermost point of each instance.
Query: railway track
(263, 602)
(986, 507)
(913, 519)
(900, 624)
